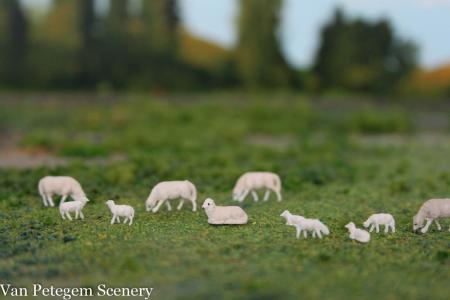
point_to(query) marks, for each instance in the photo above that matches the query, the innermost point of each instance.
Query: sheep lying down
(222, 215)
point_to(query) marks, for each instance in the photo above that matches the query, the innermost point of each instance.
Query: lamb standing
(375, 220)
(118, 211)
(73, 206)
(302, 224)
(60, 185)
(430, 211)
(167, 190)
(251, 181)
(358, 234)
(221, 215)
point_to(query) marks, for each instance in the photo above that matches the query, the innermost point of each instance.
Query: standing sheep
(167, 190)
(251, 181)
(313, 225)
(118, 211)
(358, 234)
(430, 211)
(221, 215)
(375, 220)
(73, 206)
(60, 185)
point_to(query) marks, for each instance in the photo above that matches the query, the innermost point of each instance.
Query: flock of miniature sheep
(248, 183)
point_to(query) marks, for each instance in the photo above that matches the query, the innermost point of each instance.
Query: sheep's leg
(255, 196)
(118, 219)
(76, 214)
(266, 195)
(318, 234)
(156, 208)
(377, 227)
(81, 215)
(113, 219)
(194, 206)
(386, 228)
(297, 233)
(393, 228)
(50, 200)
(63, 198)
(279, 198)
(44, 199)
(131, 221)
(243, 195)
(425, 229)
(68, 216)
(372, 227)
(180, 205)
(438, 225)
(62, 215)
(169, 207)
(305, 233)
(125, 220)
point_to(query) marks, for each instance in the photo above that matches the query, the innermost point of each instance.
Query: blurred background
(396, 48)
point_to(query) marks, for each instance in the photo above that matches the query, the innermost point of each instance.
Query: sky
(427, 22)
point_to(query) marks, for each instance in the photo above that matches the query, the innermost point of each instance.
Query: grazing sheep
(291, 219)
(76, 206)
(221, 215)
(358, 234)
(125, 211)
(251, 181)
(375, 220)
(167, 190)
(313, 225)
(430, 211)
(60, 185)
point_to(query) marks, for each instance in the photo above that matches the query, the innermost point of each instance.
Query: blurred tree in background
(258, 55)
(362, 56)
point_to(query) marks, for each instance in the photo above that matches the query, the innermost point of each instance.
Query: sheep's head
(237, 192)
(209, 204)
(285, 214)
(418, 221)
(150, 203)
(109, 202)
(366, 224)
(350, 226)
(81, 198)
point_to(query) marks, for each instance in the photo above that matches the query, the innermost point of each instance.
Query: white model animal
(375, 220)
(73, 206)
(358, 234)
(313, 225)
(167, 190)
(430, 211)
(251, 181)
(220, 215)
(118, 211)
(60, 185)
(291, 219)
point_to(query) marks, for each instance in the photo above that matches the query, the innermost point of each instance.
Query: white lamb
(313, 225)
(60, 185)
(167, 190)
(221, 215)
(430, 211)
(251, 181)
(359, 235)
(375, 220)
(118, 211)
(73, 206)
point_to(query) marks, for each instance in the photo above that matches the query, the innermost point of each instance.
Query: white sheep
(220, 215)
(430, 211)
(313, 225)
(118, 211)
(60, 185)
(375, 220)
(251, 181)
(167, 190)
(358, 234)
(73, 206)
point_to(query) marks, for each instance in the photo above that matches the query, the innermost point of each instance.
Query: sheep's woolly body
(430, 211)
(222, 215)
(375, 220)
(251, 181)
(359, 235)
(118, 211)
(59, 185)
(167, 190)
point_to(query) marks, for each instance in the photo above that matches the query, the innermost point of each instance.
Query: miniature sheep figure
(251, 181)
(314, 225)
(118, 211)
(375, 220)
(76, 206)
(430, 211)
(167, 190)
(60, 185)
(359, 235)
(221, 215)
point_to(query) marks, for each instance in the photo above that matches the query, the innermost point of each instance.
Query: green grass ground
(339, 161)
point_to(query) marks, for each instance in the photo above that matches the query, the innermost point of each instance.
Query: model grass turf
(327, 171)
